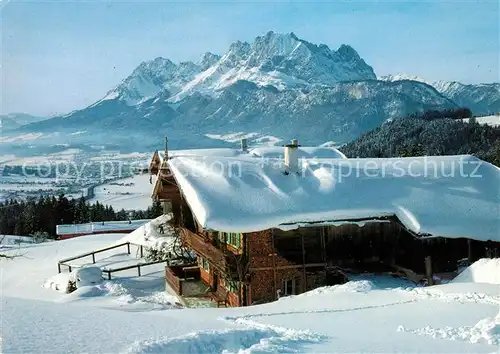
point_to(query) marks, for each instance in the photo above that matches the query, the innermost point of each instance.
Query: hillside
(480, 98)
(419, 136)
(16, 120)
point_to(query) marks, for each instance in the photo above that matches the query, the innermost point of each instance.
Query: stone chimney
(292, 156)
(244, 145)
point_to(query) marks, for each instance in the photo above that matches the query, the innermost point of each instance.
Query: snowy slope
(355, 317)
(151, 78)
(450, 196)
(494, 120)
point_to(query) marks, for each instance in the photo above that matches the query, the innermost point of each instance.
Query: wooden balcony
(168, 192)
(204, 247)
(185, 280)
(166, 189)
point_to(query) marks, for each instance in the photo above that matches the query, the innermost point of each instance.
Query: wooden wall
(303, 254)
(207, 277)
(267, 270)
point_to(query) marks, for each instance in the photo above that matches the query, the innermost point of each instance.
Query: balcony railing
(203, 247)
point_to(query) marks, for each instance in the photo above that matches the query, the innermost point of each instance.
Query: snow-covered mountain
(480, 98)
(280, 60)
(277, 85)
(152, 77)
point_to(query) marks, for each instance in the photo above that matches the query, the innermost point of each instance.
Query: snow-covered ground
(13, 241)
(493, 120)
(149, 234)
(131, 314)
(133, 193)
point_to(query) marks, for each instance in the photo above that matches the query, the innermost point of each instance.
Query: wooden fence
(62, 262)
(138, 266)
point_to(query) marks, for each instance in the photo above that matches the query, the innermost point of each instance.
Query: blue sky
(63, 55)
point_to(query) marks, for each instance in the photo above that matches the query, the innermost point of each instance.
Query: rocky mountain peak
(208, 59)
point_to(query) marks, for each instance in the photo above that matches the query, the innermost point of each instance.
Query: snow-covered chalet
(276, 221)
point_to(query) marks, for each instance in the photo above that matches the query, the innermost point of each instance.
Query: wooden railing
(173, 280)
(62, 262)
(138, 266)
(203, 247)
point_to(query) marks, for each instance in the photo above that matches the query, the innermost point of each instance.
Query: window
(230, 285)
(289, 287)
(222, 237)
(230, 238)
(204, 264)
(234, 239)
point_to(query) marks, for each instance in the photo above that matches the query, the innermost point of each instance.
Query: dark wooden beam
(428, 270)
(304, 276)
(274, 265)
(294, 266)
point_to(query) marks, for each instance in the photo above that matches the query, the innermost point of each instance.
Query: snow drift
(482, 271)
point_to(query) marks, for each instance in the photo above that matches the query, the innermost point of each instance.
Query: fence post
(59, 267)
(128, 247)
(109, 275)
(139, 269)
(142, 252)
(69, 267)
(93, 258)
(428, 270)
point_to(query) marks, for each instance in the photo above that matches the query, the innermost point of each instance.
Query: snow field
(493, 120)
(486, 330)
(131, 314)
(133, 193)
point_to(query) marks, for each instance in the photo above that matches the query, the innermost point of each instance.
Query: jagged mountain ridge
(482, 99)
(281, 60)
(278, 84)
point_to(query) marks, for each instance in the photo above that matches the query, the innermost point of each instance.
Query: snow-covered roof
(259, 152)
(303, 151)
(228, 152)
(448, 196)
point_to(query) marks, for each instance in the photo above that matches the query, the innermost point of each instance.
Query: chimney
(244, 145)
(292, 156)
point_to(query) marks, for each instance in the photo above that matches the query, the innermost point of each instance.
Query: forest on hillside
(43, 214)
(429, 133)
